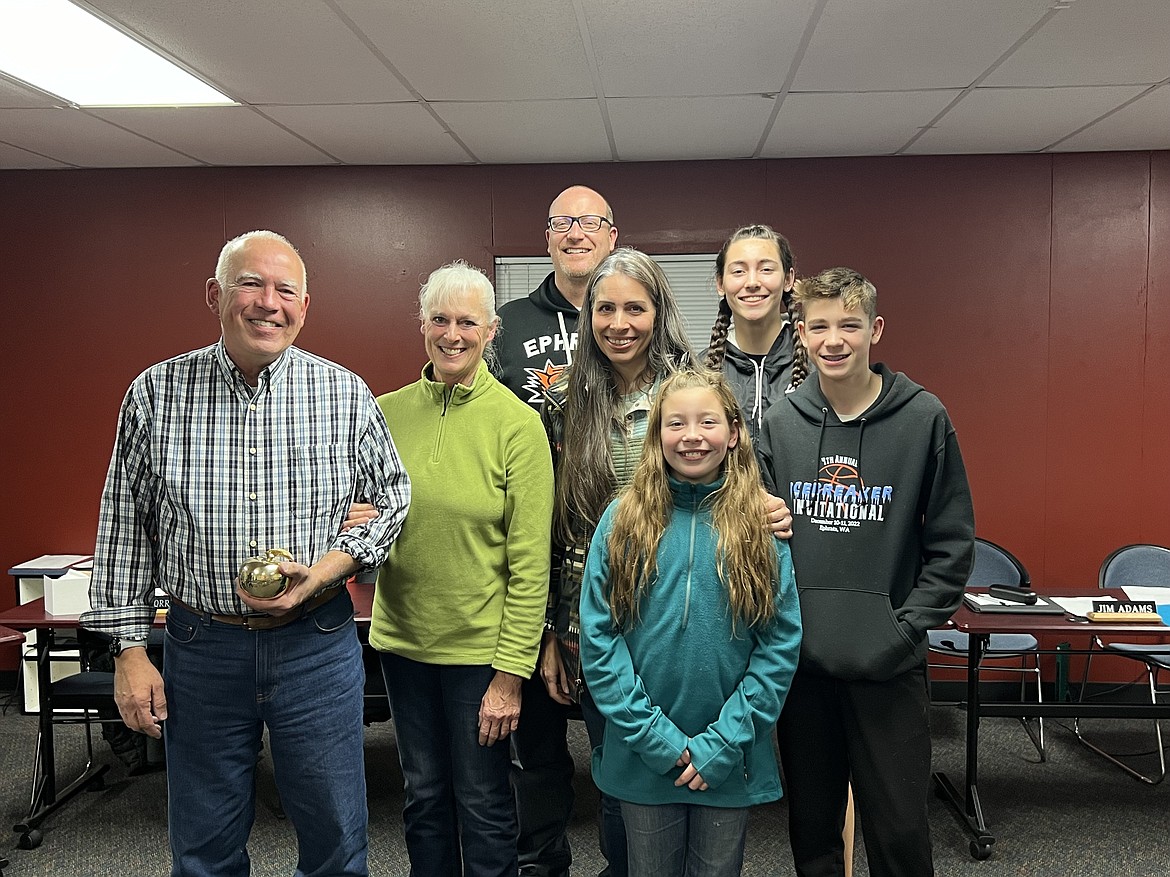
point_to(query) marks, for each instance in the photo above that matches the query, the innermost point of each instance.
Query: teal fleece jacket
(467, 579)
(681, 678)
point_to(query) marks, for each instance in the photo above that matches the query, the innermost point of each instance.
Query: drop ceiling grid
(263, 51)
(852, 124)
(217, 135)
(991, 120)
(529, 131)
(395, 133)
(699, 49)
(74, 137)
(911, 44)
(455, 50)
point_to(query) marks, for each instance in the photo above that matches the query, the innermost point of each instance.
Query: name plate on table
(1124, 611)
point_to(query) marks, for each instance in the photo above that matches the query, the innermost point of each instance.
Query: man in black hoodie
(883, 541)
(535, 344)
(539, 333)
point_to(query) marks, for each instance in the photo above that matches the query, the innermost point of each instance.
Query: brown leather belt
(268, 622)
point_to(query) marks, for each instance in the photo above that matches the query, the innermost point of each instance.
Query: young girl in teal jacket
(690, 633)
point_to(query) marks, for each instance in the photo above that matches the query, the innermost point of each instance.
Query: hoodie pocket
(853, 635)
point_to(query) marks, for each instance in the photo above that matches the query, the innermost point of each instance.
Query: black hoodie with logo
(536, 342)
(883, 525)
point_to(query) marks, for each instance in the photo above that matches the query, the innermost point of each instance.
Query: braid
(799, 351)
(717, 349)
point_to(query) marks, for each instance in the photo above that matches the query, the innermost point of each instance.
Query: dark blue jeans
(460, 816)
(685, 840)
(224, 684)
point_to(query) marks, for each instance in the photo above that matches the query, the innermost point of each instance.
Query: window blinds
(692, 279)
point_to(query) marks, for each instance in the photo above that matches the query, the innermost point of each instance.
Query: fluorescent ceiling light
(64, 50)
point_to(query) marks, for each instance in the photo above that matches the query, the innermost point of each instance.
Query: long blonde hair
(745, 553)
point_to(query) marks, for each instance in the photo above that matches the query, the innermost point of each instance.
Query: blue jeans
(611, 829)
(685, 840)
(224, 684)
(460, 816)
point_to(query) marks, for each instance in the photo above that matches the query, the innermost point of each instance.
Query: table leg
(967, 806)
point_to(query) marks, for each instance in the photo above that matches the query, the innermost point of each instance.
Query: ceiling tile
(520, 81)
(851, 124)
(716, 53)
(14, 95)
(688, 127)
(402, 133)
(564, 130)
(1117, 42)
(75, 137)
(1144, 124)
(475, 50)
(265, 51)
(1017, 119)
(911, 44)
(12, 158)
(218, 135)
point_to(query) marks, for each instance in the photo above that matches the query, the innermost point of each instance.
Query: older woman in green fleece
(459, 605)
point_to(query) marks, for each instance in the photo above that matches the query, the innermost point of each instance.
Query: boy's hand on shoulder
(777, 516)
(690, 777)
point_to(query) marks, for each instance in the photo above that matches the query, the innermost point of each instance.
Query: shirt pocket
(322, 480)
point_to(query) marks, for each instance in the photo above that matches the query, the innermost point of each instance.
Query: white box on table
(67, 594)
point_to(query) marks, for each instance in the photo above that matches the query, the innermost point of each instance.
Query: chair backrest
(995, 565)
(1144, 565)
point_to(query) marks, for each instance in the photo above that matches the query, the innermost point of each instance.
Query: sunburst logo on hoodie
(540, 379)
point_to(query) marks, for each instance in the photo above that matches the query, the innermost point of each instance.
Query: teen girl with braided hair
(690, 634)
(752, 341)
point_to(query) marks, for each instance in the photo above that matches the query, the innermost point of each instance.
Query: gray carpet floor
(1073, 815)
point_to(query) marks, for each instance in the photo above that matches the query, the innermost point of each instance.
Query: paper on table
(988, 600)
(1078, 605)
(49, 564)
(1147, 594)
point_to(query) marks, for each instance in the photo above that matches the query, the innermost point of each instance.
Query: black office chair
(995, 565)
(85, 698)
(75, 699)
(1145, 566)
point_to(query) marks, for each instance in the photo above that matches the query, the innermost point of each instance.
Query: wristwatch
(119, 644)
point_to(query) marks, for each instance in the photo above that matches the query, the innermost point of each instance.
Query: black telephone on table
(1013, 593)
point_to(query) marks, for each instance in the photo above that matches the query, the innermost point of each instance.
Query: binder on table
(986, 603)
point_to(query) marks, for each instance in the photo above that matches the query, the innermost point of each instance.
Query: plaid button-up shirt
(208, 471)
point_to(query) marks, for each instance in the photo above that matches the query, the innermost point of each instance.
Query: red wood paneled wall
(1031, 293)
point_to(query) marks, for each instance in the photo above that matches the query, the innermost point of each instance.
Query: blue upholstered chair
(995, 565)
(1145, 566)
